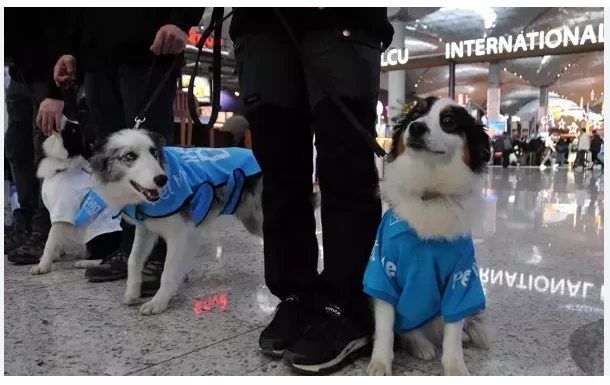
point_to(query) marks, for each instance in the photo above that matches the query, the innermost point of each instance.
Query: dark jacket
(370, 20)
(30, 41)
(103, 38)
(596, 143)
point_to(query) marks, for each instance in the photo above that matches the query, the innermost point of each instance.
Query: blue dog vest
(194, 173)
(423, 278)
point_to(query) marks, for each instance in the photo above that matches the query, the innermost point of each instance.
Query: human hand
(64, 70)
(49, 115)
(170, 40)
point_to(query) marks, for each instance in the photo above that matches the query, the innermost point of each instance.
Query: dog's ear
(398, 145)
(478, 147)
(98, 160)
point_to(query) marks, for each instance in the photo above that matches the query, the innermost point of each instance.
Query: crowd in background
(585, 150)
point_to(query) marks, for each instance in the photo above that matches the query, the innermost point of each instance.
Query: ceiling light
(504, 68)
(415, 85)
(565, 69)
(236, 93)
(439, 39)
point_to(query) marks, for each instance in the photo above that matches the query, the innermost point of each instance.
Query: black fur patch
(101, 162)
(477, 139)
(74, 141)
(420, 108)
(159, 142)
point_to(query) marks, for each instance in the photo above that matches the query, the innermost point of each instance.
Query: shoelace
(116, 256)
(34, 240)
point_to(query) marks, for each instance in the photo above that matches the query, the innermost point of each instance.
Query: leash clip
(138, 122)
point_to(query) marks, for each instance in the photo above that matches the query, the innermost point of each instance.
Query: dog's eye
(153, 152)
(448, 122)
(130, 156)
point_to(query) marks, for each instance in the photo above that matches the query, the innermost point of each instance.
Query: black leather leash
(141, 117)
(215, 27)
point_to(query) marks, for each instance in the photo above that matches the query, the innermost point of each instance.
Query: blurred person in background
(113, 50)
(32, 99)
(549, 151)
(562, 147)
(584, 146)
(596, 146)
(507, 149)
(322, 318)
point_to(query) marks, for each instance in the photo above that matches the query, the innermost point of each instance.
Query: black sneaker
(30, 251)
(151, 278)
(112, 268)
(291, 318)
(328, 342)
(15, 237)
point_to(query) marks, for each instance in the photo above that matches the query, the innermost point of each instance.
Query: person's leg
(349, 182)
(32, 249)
(19, 151)
(135, 88)
(505, 159)
(272, 87)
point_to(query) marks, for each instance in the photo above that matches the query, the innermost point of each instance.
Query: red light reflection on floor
(207, 304)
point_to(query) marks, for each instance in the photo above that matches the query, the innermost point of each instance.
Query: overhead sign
(394, 56)
(201, 89)
(525, 42)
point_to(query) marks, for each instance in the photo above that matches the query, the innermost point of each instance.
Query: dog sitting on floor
(174, 193)
(81, 224)
(422, 275)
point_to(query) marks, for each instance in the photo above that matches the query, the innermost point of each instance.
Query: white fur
(450, 215)
(63, 238)
(178, 230)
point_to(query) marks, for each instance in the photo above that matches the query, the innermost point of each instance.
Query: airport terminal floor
(539, 247)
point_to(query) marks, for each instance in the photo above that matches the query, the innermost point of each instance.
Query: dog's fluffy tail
(478, 331)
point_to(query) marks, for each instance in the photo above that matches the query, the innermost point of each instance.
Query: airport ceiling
(569, 77)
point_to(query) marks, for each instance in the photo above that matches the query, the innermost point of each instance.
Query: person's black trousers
(505, 159)
(285, 105)
(581, 158)
(23, 149)
(114, 99)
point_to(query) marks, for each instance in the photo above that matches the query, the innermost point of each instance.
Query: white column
(396, 79)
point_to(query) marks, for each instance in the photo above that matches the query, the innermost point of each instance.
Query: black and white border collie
(128, 169)
(432, 181)
(66, 181)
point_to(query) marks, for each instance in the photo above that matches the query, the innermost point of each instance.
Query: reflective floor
(540, 251)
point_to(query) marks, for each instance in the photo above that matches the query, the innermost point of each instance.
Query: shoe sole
(272, 353)
(106, 278)
(353, 350)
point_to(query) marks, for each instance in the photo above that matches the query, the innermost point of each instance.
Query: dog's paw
(424, 350)
(153, 307)
(379, 368)
(40, 269)
(130, 297)
(456, 369)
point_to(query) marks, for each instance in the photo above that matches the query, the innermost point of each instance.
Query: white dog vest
(69, 198)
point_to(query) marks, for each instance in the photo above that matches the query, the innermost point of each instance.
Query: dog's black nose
(160, 180)
(417, 129)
